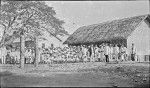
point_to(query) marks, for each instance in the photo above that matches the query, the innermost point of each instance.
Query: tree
(28, 18)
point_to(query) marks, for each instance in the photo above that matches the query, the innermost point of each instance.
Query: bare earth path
(77, 74)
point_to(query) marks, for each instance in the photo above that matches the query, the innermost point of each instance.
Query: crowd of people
(86, 53)
(83, 53)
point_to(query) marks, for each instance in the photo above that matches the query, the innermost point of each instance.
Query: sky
(82, 13)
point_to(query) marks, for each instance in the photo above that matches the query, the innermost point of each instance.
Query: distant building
(125, 31)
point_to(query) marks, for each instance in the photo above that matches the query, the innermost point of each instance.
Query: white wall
(53, 40)
(141, 39)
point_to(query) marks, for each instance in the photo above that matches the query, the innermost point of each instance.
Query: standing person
(88, 53)
(126, 53)
(102, 53)
(97, 53)
(80, 54)
(8, 58)
(106, 52)
(85, 54)
(133, 52)
(123, 53)
(116, 52)
(92, 54)
(111, 52)
(3, 54)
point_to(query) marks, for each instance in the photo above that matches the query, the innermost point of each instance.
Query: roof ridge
(116, 20)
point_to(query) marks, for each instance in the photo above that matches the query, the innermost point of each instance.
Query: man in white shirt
(106, 52)
(111, 52)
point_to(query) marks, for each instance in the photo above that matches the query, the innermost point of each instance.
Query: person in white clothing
(106, 52)
(122, 52)
(92, 54)
(89, 53)
(85, 54)
(96, 53)
(116, 52)
(102, 53)
(99, 53)
(125, 53)
(111, 52)
(3, 54)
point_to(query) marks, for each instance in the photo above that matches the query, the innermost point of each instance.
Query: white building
(125, 31)
(140, 37)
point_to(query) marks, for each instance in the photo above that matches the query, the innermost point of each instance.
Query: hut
(121, 31)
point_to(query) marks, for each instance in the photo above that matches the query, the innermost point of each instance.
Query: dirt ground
(97, 74)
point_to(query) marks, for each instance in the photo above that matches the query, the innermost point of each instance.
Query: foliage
(29, 18)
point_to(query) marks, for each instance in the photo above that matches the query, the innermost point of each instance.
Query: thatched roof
(111, 31)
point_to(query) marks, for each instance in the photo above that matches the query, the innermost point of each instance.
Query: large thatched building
(122, 31)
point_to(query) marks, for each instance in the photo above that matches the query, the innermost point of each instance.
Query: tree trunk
(22, 51)
(3, 39)
(37, 55)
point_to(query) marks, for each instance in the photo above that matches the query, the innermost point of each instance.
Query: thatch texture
(112, 31)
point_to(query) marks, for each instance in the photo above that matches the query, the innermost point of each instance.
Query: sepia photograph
(85, 43)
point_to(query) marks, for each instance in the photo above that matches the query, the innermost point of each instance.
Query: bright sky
(80, 13)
